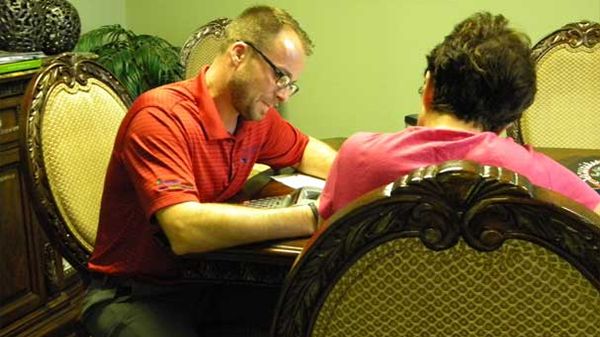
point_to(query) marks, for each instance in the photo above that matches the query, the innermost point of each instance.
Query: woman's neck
(440, 120)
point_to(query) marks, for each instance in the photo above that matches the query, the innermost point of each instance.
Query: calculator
(300, 196)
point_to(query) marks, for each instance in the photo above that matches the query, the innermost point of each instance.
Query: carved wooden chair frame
(577, 34)
(440, 205)
(214, 29)
(69, 69)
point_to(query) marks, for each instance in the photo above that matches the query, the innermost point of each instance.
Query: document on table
(299, 180)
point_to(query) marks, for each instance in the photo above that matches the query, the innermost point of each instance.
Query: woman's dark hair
(483, 72)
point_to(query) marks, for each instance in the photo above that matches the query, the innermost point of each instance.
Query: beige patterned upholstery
(202, 46)
(74, 109)
(457, 249)
(567, 104)
(460, 292)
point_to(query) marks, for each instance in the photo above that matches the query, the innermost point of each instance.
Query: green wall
(369, 55)
(94, 13)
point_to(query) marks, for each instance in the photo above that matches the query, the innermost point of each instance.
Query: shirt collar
(207, 109)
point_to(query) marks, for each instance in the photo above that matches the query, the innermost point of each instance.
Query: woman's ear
(428, 91)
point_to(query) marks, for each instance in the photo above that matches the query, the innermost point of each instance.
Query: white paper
(299, 180)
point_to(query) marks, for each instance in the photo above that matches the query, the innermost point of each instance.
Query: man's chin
(260, 112)
(259, 117)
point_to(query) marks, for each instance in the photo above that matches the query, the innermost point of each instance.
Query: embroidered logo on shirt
(247, 154)
(173, 185)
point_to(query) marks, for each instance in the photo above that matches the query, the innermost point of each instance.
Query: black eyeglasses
(283, 81)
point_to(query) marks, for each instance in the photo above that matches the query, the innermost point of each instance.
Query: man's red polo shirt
(172, 147)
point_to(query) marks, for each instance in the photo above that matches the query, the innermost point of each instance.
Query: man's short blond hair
(260, 24)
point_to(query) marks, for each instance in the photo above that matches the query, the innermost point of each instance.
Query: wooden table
(264, 264)
(267, 263)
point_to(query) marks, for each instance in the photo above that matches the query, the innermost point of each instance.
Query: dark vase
(61, 27)
(21, 25)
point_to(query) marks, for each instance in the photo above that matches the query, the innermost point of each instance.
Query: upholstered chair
(73, 109)
(566, 109)
(202, 46)
(457, 249)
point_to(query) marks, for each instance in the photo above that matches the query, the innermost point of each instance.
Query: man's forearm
(317, 159)
(193, 227)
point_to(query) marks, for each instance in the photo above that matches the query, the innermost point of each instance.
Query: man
(478, 80)
(181, 152)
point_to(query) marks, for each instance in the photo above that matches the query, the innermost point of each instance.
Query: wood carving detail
(214, 28)
(584, 33)
(233, 272)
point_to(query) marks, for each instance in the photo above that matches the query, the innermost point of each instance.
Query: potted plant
(140, 62)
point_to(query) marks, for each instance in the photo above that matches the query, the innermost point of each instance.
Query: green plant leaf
(140, 62)
(101, 36)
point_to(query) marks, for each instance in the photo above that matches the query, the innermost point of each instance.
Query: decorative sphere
(61, 27)
(21, 25)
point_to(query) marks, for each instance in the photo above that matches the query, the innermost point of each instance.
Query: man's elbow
(182, 249)
(184, 242)
(176, 228)
(175, 233)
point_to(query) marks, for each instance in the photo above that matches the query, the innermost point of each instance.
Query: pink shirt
(369, 160)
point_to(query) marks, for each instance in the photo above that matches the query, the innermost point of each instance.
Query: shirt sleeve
(284, 145)
(328, 194)
(341, 187)
(157, 160)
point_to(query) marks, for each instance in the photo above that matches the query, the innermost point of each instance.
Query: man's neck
(222, 98)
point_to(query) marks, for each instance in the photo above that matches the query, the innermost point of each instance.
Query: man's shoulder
(165, 96)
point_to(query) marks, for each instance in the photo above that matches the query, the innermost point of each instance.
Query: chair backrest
(73, 109)
(567, 103)
(203, 45)
(456, 249)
